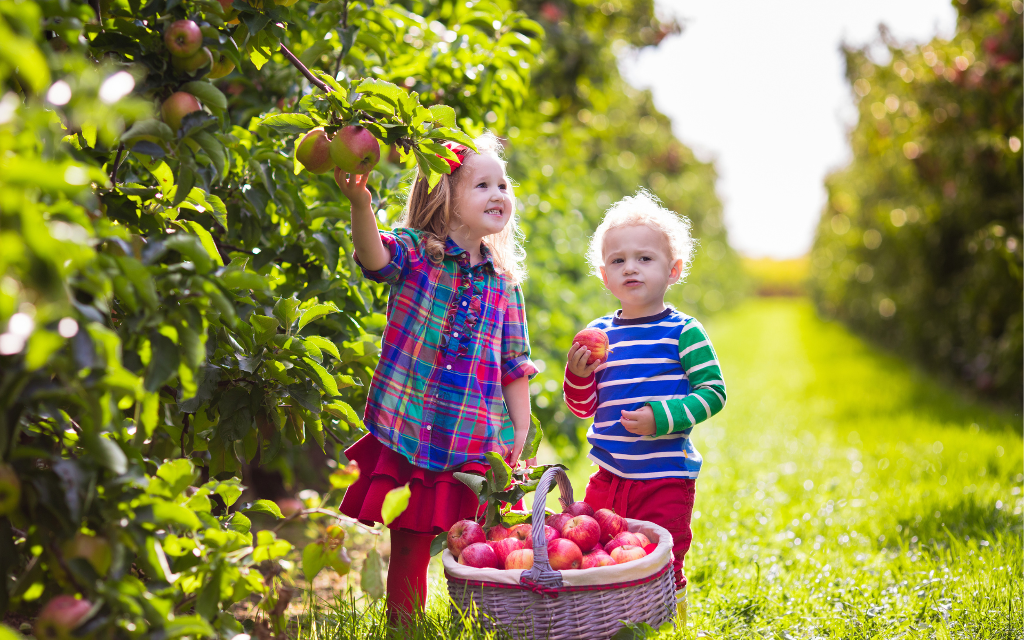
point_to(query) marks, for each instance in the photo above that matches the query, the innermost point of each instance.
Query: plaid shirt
(455, 334)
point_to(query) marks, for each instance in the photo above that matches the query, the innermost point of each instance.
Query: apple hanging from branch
(355, 150)
(183, 38)
(314, 152)
(176, 107)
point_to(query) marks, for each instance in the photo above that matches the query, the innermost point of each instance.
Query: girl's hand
(639, 422)
(353, 186)
(578, 356)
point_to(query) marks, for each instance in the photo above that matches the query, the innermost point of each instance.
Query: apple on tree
(314, 152)
(183, 38)
(355, 150)
(93, 549)
(176, 107)
(193, 63)
(59, 617)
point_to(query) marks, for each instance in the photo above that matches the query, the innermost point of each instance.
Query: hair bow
(460, 150)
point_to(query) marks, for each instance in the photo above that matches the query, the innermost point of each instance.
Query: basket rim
(563, 589)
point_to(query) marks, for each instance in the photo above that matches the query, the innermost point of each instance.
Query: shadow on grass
(965, 518)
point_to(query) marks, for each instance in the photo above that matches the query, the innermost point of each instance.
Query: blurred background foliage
(920, 244)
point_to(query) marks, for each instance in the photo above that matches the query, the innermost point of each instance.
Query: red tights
(407, 573)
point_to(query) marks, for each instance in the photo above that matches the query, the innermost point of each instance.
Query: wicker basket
(542, 603)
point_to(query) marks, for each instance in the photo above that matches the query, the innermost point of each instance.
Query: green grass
(844, 495)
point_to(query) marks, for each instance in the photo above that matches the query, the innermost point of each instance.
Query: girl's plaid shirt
(455, 334)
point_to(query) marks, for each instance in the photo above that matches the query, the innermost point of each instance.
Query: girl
(453, 378)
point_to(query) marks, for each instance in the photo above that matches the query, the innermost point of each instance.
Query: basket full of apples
(575, 574)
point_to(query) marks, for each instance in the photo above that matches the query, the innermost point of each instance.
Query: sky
(758, 87)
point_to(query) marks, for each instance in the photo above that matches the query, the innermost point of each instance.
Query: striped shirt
(666, 362)
(455, 335)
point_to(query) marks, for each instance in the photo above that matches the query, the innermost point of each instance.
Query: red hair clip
(460, 150)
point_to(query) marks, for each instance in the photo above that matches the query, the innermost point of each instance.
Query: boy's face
(638, 269)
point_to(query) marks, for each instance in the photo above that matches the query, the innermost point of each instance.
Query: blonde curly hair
(644, 209)
(434, 212)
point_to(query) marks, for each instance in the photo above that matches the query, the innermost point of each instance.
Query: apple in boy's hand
(480, 555)
(355, 150)
(502, 548)
(462, 534)
(580, 509)
(583, 530)
(612, 524)
(564, 554)
(521, 559)
(627, 553)
(597, 341)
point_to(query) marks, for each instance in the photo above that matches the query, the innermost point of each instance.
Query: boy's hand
(578, 356)
(639, 422)
(353, 186)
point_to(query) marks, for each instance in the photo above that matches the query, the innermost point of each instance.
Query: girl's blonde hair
(434, 213)
(644, 209)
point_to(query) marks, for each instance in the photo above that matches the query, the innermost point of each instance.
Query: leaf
(183, 181)
(345, 477)
(533, 438)
(288, 122)
(501, 473)
(215, 150)
(285, 310)
(343, 410)
(181, 626)
(265, 326)
(439, 543)
(163, 363)
(206, 239)
(391, 92)
(172, 478)
(170, 513)
(264, 506)
(475, 482)
(443, 115)
(324, 345)
(190, 248)
(395, 502)
(322, 378)
(316, 312)
(209, 203)
(107, 453)
(370, 577)
(148, 129)
(208, 94)
(314, 558)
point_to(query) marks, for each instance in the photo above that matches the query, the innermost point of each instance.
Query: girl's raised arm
(371, 250)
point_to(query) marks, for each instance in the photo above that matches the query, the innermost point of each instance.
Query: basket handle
(541, 572)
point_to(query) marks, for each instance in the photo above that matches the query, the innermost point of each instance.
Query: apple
(550, 533)
(183, 38)
(176, 107)
(10, 489)
(480, 555)
(649, 549)
(314, 152)
(193, 63)
(355, 150)
(580, 509)
(644, 540)
(558, 520)
(583, 530)
(597, 559)
(59, 618)
(612, 524)
(625, 537)
(521, 559)
(627, 553)
(595, 340)
(497, 532)
(462, 534)
(522, 531)
(93, 549)
(564, 554)
(222, 67)
(504, 547)
(290, 506)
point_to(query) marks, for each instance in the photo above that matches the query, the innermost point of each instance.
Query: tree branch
(117, 163)
(302, 68)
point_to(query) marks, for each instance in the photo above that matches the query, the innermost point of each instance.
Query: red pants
(667, 502)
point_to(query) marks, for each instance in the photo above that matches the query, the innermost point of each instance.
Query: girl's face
(483, 198)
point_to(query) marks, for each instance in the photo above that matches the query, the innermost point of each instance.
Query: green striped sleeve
(707, 387)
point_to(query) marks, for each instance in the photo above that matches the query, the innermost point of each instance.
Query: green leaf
(215, 150)
(370, 577)
(288, 122)
(7, 633)
(324, 344)
(107, 453)
(208, 203)
(316, 312)
(172, 478)
(285, 310)
(208, 94)
(533, 438)
(147, 129)
(343, 410)
(265, 327)
(206, 239)
(345, 477)
(183, 181)
(41, 345)
(443, 115)
(164, 362)
(193, 626)
(170, 513)
(475, 482)
(190, 248)
(265, 506)
(239, 522)
(395, 502)
(314, 558)
(439, 543)
(322, 379)
(501, 473)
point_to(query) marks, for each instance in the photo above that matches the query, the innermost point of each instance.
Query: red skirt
(437, 502)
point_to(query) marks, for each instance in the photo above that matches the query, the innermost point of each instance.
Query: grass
(844, 495)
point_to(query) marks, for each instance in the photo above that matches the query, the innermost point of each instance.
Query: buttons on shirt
(447, 366)
(428, 427)
(455, 335)
(464, 303)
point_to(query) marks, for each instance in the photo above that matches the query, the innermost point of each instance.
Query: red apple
(497, 532)
(463, 534)
(550, 533)
(176, 107)
(355, 150)
(644, 540)
(649, 549)
(93, 549)
(595, 340)
(59, 618)
(627, 537)
(521, 559)
(183, 38)
(612, 524)
(580, 509)
(480, 555)
(627, 553)
(558, 520)
(564, 554)
(583, 530)
(522, 531)
(597, 559)
(193, 63)
(314, 152)
(10, 489)
(504, 547)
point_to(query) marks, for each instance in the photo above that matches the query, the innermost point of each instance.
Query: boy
(660, 379)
